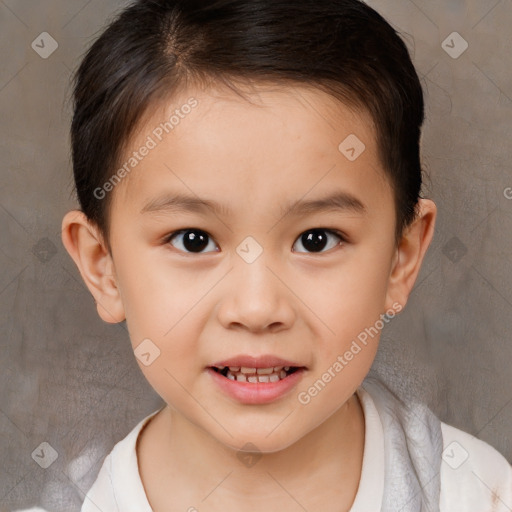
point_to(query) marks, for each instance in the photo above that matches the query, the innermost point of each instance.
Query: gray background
(72, 381)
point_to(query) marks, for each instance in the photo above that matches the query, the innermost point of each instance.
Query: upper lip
(265, 361)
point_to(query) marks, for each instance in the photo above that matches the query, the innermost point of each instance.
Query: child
(281, 138)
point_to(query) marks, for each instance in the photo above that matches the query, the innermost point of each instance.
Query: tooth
(234, 368)
(265, 371)
(244, 369)
(241, 377)
(282, 374)
(278, 368)
(230, 376)
(253, 379)
(286, 368)
(274, 377)
(263, 378)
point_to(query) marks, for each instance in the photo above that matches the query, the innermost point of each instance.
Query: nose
(256, 298)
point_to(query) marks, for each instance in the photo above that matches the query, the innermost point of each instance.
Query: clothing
(404, 468)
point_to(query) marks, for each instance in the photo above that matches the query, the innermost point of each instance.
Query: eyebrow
(336, 201)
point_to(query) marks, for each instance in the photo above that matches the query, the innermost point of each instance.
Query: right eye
(192, 240)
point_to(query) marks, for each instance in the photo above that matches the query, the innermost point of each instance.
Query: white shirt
(475, 477)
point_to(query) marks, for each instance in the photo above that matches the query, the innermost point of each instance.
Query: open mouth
(255, 375)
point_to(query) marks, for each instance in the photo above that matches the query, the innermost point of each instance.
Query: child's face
(204, 307)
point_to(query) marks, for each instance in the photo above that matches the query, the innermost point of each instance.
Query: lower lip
(257, 392)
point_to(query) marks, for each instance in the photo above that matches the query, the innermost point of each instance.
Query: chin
(259, 442)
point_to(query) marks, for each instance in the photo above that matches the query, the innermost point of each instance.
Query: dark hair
(153, 48)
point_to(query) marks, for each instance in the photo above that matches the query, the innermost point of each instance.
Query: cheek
(173, 384)
(162, 307)
(156, 298)
(351, 299)
(351, 307)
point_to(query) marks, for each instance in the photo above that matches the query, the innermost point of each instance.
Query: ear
(86, 246)
(409, 254)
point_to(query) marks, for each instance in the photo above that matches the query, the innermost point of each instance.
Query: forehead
(273, 138)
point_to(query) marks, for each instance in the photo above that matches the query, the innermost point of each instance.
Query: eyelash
(338, 234)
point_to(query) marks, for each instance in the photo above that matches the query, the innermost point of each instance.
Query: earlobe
(410, 253)
(85, 245)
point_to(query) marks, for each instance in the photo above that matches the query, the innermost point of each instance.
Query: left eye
(315, 240)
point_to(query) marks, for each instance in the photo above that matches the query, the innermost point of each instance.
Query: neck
(324, 462)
